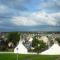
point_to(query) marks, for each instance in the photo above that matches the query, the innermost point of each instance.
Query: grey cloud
(16, 4)
(49, 5)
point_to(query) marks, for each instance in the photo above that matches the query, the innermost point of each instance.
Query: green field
(28, 57)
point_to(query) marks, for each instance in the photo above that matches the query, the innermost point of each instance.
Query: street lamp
(17, 53)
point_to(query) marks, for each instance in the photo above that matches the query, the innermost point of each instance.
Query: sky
(29, 15)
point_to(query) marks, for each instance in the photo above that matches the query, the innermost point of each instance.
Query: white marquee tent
(20, 49)
(54, 50)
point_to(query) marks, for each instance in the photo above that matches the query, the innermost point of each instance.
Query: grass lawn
(11, 56)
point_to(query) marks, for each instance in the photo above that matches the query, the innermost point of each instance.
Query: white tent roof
(20, 48)
(54, 50)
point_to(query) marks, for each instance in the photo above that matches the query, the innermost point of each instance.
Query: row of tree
(14, 37)
(11, 42)
(38, 45)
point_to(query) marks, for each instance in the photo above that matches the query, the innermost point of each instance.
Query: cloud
(24, 14)
(1, 22)
(57, 17)
(49, 5)
(17, 7)
(6, 12)
(23, 21)
(14, 9)
(37, 18)
(11, 8)
(3, 8)
(55, 14)
(15, 4)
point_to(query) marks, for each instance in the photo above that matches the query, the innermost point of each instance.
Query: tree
(3, 45)
(58, 40)
(35, 42)
(38, 45)
(13, 37)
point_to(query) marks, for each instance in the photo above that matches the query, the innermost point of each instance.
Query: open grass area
(11, 56)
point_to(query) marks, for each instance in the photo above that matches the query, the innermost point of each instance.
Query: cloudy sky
(29, 15)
